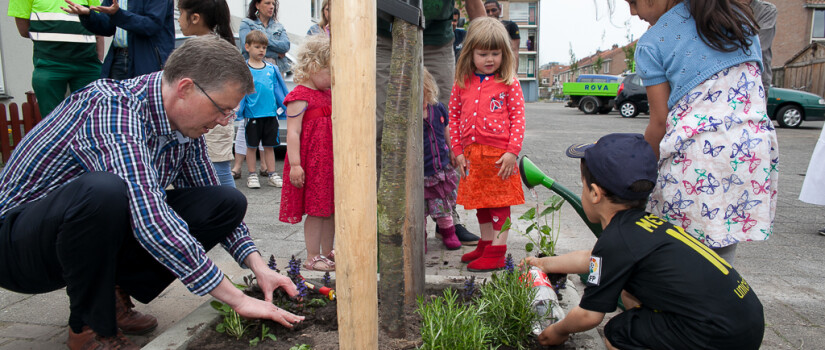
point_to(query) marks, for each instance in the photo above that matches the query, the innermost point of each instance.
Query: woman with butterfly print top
(708, 124)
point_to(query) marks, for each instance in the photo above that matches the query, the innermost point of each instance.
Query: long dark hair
(214, 13)
(725, 25)
(252, 13)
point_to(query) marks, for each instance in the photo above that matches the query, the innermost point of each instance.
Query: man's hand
(269, 281)
(296, 176)
(75, 8)
(264, 309)
(109, 10)
(507, 165)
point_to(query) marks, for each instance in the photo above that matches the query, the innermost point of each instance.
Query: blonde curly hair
(312, 57)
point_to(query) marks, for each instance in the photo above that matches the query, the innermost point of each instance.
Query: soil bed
(319, 330)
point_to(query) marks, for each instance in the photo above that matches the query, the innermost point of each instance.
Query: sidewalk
(39, 321)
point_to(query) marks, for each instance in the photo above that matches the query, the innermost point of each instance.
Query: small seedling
(469, 286)
(232, 324)
(317, 302)
(327, 279)
(447, 323)
(548, 230)
(509, 308)
(264, 336)
(272, 264)
(509, 266)
(249, 280)
(300, 347)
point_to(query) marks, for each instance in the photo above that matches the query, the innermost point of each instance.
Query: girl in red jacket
(486, 133)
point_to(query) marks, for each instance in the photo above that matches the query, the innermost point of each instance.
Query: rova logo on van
(595, 87)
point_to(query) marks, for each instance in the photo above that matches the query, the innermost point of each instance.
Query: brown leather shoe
(130, 321)
(89, 340)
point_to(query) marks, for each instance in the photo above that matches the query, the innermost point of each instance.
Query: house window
(519, 11)
(316, 9)
(606, 66)
(522, 64)
(818, 31)
(544, 81)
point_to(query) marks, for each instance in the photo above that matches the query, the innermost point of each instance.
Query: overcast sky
(582, 24)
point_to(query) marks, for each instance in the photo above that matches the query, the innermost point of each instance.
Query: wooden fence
(13, 126)
(805, 71)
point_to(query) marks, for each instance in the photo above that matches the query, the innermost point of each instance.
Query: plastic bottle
(545, 303)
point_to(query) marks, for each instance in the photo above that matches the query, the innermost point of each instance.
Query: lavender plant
(272, 264)
(327, 280)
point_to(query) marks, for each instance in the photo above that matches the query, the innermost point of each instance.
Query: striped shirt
(121, 39)
(121, 127)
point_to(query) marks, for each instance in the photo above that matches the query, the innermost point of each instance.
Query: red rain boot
(450, 239)
(475, 254)
(492, 259)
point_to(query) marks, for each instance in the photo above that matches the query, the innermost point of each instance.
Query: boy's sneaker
(252, 181)
(275, 180)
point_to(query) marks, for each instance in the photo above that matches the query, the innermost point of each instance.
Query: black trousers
(80, 237)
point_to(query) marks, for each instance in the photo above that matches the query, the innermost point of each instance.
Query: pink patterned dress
(316, 197)
(718, 161)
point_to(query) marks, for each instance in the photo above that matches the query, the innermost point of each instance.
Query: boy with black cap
(678, 293)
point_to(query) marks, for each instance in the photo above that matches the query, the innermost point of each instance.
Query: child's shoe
(491, 260)
(252, 181)
(449, 238)
(275, 180)
(464, 236)
(475, 254)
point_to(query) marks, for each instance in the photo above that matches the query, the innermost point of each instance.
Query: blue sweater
(268, 99)
(672, 51)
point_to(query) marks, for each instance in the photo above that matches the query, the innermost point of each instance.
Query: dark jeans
(80, 237)
(120, 65)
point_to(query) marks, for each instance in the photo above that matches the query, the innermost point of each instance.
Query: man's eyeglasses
(227, 116)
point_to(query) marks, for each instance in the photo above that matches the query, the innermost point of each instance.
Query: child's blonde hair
(486, 34)
(256, 37)
(312, 57)
(430, 87)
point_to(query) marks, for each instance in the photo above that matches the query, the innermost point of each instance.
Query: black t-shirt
(668, 271)
(512, 29)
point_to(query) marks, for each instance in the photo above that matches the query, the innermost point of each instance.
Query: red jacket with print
(487, 112)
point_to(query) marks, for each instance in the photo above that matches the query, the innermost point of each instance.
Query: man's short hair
(210, 61)
(256, 37)
(493, 2)
(456, 12)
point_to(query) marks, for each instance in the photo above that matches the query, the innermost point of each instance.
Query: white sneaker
(275, 180)
(252, 181)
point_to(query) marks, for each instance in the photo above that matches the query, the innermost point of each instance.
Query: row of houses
(798, 53)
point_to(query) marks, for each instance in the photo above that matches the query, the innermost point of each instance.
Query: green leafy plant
(264, 336)
(447, 323)
(508, 299)
(547, 224)
(300, 347)
(232, 323)
(317, 302)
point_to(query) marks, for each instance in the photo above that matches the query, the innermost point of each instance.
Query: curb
(178, 336)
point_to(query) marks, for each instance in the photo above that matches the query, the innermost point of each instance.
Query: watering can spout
(531, 175)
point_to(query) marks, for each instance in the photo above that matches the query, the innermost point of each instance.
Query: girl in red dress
(308, 163)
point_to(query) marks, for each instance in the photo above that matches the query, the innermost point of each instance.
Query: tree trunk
(401, 222)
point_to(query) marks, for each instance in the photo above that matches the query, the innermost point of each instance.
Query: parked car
(788, 107)
(631, 98)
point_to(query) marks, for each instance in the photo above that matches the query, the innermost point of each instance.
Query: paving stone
(29, 331)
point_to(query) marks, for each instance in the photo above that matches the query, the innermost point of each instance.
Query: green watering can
(532, 176)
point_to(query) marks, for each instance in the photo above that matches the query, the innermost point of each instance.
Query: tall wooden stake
(402, 221)
(353, 134)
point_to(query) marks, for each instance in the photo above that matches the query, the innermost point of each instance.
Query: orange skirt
(483, 188)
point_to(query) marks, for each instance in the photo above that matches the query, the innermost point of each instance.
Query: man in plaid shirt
(84, 205)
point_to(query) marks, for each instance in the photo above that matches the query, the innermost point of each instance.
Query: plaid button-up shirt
(121, 127)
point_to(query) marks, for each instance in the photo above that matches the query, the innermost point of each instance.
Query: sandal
(331, 255)
(319, 263)
(235, 175)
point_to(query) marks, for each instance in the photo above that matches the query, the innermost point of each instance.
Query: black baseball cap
(616, 161)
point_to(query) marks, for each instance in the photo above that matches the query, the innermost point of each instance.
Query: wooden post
(401, 222)
(353, 45)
